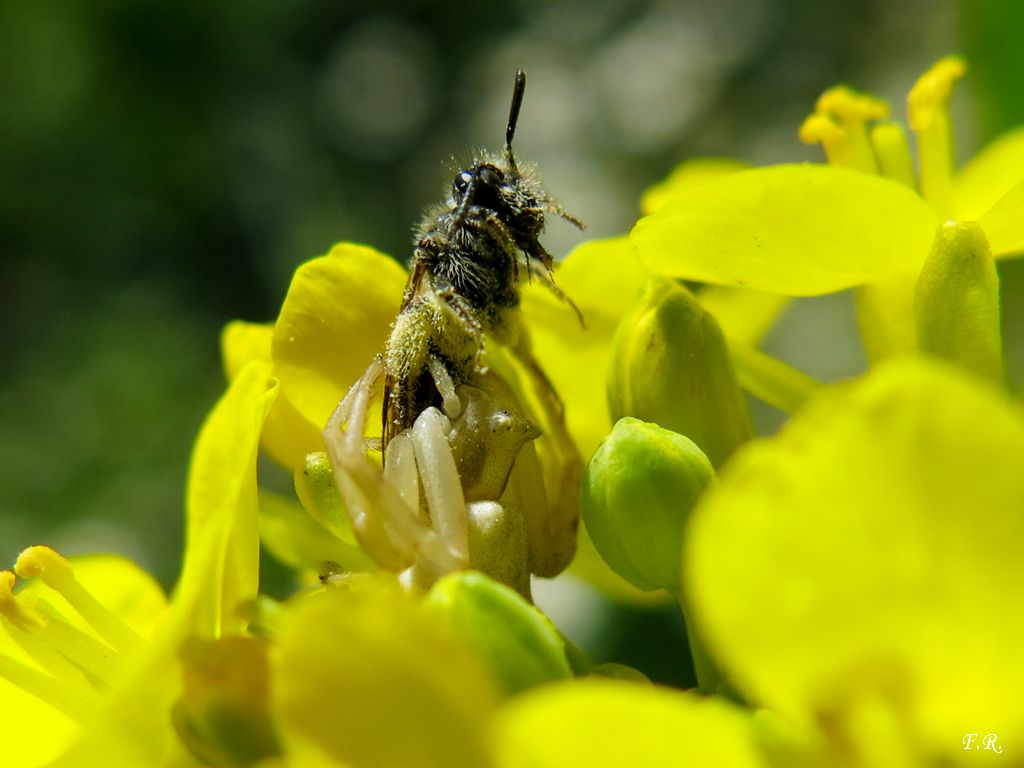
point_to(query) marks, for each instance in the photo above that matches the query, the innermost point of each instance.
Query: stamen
(58, 575)
(839, 125)
(822, 129)
(893, 153)
(12, 609)
(66, 687)
(928, 109)
(24, 626)
(849, 106)
(96, 659)
(70, 700)
(37, 645)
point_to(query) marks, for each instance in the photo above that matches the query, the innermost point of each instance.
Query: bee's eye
(461, 184)
(491, 176)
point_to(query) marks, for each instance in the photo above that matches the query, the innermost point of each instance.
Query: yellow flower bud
(670, 365)
(956, 302)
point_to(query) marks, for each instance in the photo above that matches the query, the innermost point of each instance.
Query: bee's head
(479, 185)
(482, 184)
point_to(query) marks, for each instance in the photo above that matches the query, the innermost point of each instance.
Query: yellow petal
(603, 278)
(744, 315)
(885, 315)
(335, 318)
(615, 723)
(32, 733)
(241, 343)
(989, 175)
(364, 676)
(1004, 223)
(687, 176)
(798, 230)
(222, 536)
(861, 569)
(287, 435)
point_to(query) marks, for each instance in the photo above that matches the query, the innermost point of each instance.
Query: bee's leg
(497, 229)
(548, 279)
(463, 314)
(559, 211)
(561, 523)
(459, 306)
(386, 526)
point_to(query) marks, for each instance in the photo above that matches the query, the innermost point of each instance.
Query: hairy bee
(470, 253)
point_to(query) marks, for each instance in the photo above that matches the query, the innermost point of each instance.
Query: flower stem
(770, 379)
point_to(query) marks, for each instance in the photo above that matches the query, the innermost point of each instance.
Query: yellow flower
(94, 640)
(804, 230)
(337, 316)
(366, 675)
(859, 573)
(59, 655)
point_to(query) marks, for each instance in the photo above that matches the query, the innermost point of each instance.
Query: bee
(461, 484)
(470, 254)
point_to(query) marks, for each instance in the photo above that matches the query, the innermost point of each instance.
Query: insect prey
(470, 253)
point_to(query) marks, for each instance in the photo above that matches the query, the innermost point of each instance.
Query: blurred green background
(165, 166)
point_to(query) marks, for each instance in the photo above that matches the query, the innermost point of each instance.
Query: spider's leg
(559, 526)
(385, 524)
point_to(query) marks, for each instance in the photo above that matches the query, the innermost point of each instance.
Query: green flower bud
(316, 489)
(518, 641)
(223, 714)
(670, 365)
(956, 302)
(638, 490)
(617, 671)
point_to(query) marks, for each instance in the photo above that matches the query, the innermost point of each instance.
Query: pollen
(845, 144)
(929, 97)
(820, 129)
(59, 575)
(849, 106)
(12, 609)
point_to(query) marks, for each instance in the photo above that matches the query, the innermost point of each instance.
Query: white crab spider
(461, 488)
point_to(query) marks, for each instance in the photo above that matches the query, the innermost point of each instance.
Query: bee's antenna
(513, 115)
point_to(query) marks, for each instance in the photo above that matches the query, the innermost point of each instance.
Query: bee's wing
(387, 413)
(412, 287)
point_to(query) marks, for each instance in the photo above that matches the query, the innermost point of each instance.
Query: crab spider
(461, 488)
